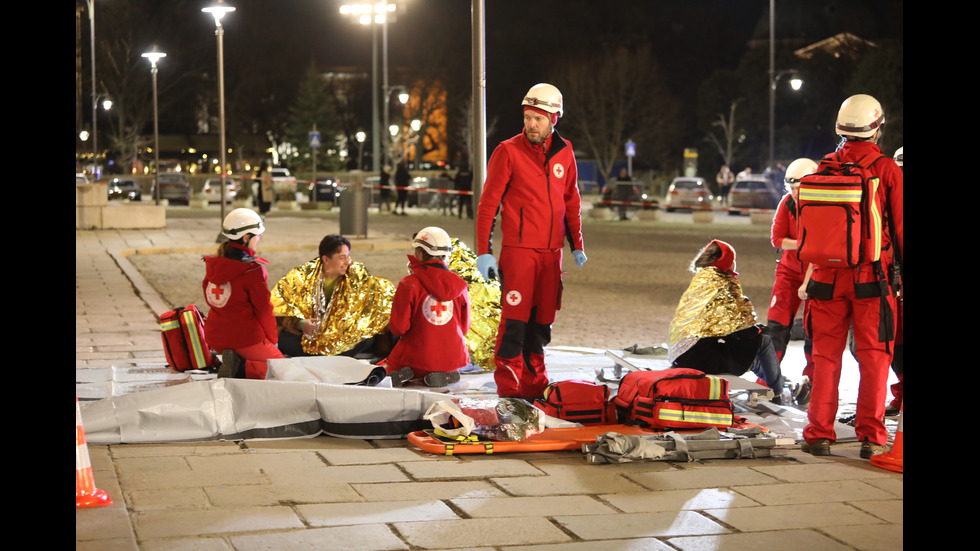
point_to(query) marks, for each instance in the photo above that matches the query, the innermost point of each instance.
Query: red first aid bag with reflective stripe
(839, 221)
(183, 340)
(676, 398)
(580, 401)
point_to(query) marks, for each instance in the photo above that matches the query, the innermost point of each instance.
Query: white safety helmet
(545, 97)
(899, 154)
(241, 222)
(860, 116)
(434, 241)
(798, 169)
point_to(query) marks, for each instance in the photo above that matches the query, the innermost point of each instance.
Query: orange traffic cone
(892, 460)
(86, 494)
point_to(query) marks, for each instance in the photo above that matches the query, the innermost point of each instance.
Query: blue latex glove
(487, 265)
(580, 257)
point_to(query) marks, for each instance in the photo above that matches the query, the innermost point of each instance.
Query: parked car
(283, 183)
(686, 192)
(174, 187)
(753, 192)
(124, 188)
(212, 190)
(325, 190)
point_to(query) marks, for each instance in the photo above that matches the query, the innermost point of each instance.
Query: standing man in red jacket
(532, 180)
(863, 296)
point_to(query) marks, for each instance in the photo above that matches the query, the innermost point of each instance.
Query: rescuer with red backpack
(853, 279)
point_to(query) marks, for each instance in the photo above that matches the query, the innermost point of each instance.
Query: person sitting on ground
(431, 315)
(332, 306)
(240, 322)
(714, 328)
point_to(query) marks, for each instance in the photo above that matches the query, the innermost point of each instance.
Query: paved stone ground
(340, 494)
(625, 294)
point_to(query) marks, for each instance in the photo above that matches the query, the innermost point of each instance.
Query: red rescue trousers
(830, 319)
(256, 357)
(530, 295)
(783, 305)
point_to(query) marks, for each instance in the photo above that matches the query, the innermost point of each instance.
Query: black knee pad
(512, 339)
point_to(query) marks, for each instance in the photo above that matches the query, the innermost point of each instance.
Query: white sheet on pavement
(307, 397)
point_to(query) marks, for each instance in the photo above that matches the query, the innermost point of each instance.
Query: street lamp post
(218, 10)
(375, 14)
(403, 98)
(154, 56)
(774, 76)
(361, 136)
(796, 83)
(95, 97)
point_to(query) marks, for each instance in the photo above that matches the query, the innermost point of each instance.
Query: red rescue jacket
(241, 311)
(784, 226)
(431, 314)
(536, 193)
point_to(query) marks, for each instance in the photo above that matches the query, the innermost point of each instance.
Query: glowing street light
(153, 57)
(218, 10)
(379, 13)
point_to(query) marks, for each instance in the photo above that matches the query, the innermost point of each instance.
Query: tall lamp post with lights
(95, 98)
(795, 82)
(375, 14)
(218, 10)
(403, 97)
(154, 56)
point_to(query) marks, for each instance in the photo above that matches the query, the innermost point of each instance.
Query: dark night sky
(524, 38)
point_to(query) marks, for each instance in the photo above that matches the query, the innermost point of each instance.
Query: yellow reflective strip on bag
(170, 325)
(831, 195)
(695, 416)
(876, 222)
(714, 392)
(194, 340)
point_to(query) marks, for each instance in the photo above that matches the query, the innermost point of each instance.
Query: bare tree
(612, 96)
(465, 128)
(730, 135)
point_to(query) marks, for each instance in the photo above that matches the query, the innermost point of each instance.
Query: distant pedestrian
(266, 188)
(463, 183)
(724, 179)
(444, 182)
(624, 191)
(385, 191)
(402, 180)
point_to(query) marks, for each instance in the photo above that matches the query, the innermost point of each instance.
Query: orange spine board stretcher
(554, 439)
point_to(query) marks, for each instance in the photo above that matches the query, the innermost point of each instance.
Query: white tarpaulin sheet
(307, 397)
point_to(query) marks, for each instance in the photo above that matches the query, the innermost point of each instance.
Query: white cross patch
(217, 295)
(558, 170)
(437, 312)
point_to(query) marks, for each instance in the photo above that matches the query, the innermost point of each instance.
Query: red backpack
(580, 401)
(675, 398)
(840, 217)
(183, 340)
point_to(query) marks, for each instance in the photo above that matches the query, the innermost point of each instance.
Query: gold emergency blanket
(484, 306)
(712, 306)
(359, 307)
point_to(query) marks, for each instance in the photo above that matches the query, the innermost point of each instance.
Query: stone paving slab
(340, 494)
